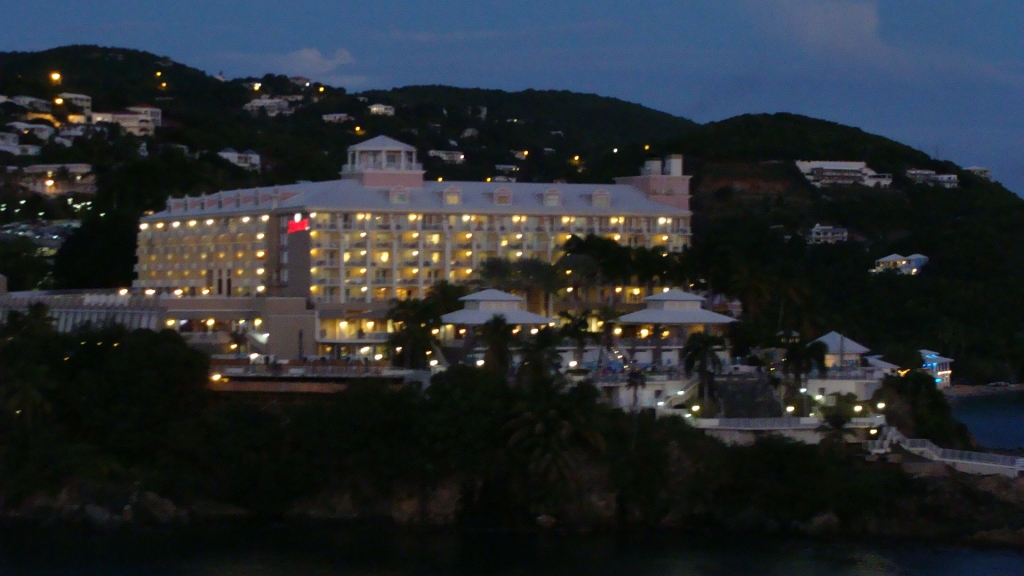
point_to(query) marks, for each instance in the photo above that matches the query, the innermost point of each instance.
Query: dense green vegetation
(101, 408)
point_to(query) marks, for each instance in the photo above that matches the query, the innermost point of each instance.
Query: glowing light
(695, 408)
(143, 226)
(159, 224)
(123, 291)
(479, 362)
(170, 323)
(209, 222)
(150, 292)
(858, 408)
(55, 76)
(260, 253)
(881, 406)
(58, 101)
(215, 377)
(210, 322)
(245, 219)
(790, 409)
(192, 223)
(433, 363)
(265, 217)
(617, 331)
(572, 364)
(617, 237)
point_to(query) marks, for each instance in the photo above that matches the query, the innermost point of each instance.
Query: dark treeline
(110, 407)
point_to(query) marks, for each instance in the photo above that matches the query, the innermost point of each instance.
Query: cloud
(490, 34)
(825, 28)
(308, 62)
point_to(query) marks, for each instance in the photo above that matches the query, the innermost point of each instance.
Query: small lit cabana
(480, 307)
(674, 308)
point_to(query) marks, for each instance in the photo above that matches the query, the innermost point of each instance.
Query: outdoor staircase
(962, 460)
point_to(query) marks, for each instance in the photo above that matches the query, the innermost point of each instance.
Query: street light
(881, 406)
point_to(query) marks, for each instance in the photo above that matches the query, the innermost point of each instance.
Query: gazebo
(480, 307)
(675, 308)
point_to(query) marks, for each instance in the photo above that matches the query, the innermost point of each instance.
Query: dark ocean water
(285, 551)
(997, 421)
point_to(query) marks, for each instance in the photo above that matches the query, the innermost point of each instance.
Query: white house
(41, 131)
(980, 171)
(81, 100)
(448, 156)
(57, 179)
(248, 159)
(382, 110)
(271, 105)
(938, 366)
(33, 103)
(909, 265)
(470, 133)
(9, 142)
(823, 173)
(930, 178)
(336, 118)
(155, 114)
(131, 122)
(827, 235)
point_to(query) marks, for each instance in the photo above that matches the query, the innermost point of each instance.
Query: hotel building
(381, 232)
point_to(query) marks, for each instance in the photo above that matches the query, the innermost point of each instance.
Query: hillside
(751, 204)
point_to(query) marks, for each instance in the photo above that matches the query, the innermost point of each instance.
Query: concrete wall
(299, 261)
(862, 389)
(3, 284)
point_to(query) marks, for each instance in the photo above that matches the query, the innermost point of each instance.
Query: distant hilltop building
(448, 156)
(382, 110)
(271, 105)
(336, 118)
(248, 159)
(383, 232)
(909, 265)
(822, 174)
(33, 103)
(827, 235)
(930, 178)
(980, 172)
(81, 100)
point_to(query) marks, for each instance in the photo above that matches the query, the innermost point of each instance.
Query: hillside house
(10, 143)
(938, 366)
(909, 265)
(930, 178)
(131, 122)
(980, 172)
(41, 131)
(336, 118)
(33, 103)
(81, 100)
(382, 110)
(823, 173)
(248, 159)
(827, 235)
(271, 105)
(59, 179)
(448, 156)
(155, 114)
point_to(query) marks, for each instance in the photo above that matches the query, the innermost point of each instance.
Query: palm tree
(607, 315)
(801, 358)
(576, 328)
(540, 359)
(649, 265)
(535, 276)
(415, 320)
(635, 381)
(444, 297)
(498, 273)
(699, 354)
(498, 341)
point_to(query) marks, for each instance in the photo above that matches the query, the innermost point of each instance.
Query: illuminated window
(601, 199)
(503, 197)
(552, 198)
(452, 196)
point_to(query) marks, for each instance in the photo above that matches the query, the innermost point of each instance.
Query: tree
(498, 273)
(699, 354)
(415, 320)
(803, 357)
(541, 362)
(576, 328)
(498, 341)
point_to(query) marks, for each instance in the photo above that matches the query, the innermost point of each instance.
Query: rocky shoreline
(954, 508)
(961, 391)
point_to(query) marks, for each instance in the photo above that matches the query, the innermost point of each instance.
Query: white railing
(784, 423)
(972, 462)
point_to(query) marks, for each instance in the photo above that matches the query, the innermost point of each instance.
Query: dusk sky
(945, 76)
